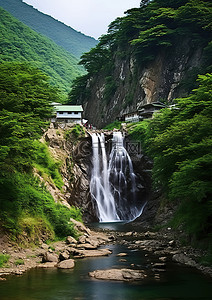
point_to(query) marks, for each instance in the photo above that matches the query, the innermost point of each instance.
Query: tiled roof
(69, 108)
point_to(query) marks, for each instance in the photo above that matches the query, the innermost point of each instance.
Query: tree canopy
(25, 204)
(25, 97)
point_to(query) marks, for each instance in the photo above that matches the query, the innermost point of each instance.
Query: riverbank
(160, 248)
(52, 255)
(165, 247)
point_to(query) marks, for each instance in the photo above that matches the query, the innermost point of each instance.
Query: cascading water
(113, 183)
(99, 185)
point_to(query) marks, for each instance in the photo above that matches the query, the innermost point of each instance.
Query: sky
(90, 17)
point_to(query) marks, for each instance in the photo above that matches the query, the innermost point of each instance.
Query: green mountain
(63, 35)
(20, 43)
(153, 53)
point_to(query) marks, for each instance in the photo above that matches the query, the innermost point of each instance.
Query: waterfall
(99, 185)
(113, 182)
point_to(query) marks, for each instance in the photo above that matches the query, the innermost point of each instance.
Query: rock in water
(122, 254)
(52, 264)
(66, 264)
(118, 274)
(184, 259)
(93, 253)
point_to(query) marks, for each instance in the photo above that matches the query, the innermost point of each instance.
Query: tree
(25, 107)
(95, 59)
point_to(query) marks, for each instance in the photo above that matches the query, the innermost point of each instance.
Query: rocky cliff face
(74, 156)
(167, 77)
(80, 193)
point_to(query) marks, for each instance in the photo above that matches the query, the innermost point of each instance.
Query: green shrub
(111, 126)
(137, 131)
(76, 132)
(60, 218)
(76, 213)
(207, 259)
(27, 206)
(36, 227)
(19, 262)
(3, 259)
(194, 217)
(46, 164)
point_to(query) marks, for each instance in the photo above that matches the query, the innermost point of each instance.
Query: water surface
(54, 284)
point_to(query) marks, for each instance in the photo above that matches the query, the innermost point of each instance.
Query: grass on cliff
(29, 213)
(4, 259)
(75, 133)
(114, 125)
(46, 165)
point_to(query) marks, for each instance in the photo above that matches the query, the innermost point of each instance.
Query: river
(177, 282)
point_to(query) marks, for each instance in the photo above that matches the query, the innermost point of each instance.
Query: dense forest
(19, 43)
(71, 40)
(34, 72)
(25, 204)
(179, 140)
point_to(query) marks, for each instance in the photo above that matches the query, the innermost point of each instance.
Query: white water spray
(99, 185)
(113, 182)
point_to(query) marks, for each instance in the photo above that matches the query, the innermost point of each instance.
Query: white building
(68, 114)
(131, 117)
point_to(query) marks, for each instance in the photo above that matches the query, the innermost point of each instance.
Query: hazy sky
(91, 17)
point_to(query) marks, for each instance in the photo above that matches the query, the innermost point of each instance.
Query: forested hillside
(179, 141)
(28, 213)
(154, 53)
(20, 43)
(73, 41)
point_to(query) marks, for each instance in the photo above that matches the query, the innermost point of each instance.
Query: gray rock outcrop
(66, 264)
(118, 274)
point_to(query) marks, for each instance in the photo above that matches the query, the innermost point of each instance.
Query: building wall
(69, 115)
(132, 118)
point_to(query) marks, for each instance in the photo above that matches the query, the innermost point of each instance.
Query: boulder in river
(184, 259)
(64, 255)
(86, 246)
(66, 264)
(80, 227)
(92, 253)
(52, 264)
(118, 274)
